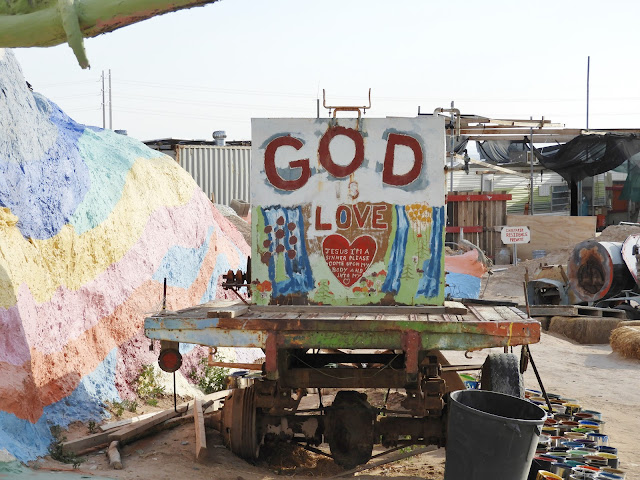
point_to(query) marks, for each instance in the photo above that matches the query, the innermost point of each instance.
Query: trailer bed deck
(233, 324)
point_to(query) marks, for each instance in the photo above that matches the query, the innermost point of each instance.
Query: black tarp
(589, 155)
(502, 151)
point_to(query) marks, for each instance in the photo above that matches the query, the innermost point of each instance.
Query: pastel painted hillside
(91, 222)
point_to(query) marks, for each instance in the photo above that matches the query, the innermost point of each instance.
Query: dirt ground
(592, 374)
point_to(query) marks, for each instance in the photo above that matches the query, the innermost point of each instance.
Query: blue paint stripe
(429, 284)
(44, 193)
(181, 265)
(26, 441)
(462, 285)
(398, 251)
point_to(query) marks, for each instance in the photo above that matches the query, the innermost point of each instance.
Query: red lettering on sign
(348, 262)
(377, 216)
(319, 224)
(270, 164)
(347, 217)
(361, 218)
(324, 155)
(391, 178)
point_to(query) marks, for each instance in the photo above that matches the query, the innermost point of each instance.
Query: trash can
(491, 435)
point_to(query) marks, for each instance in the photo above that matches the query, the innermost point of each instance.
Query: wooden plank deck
(575, 311)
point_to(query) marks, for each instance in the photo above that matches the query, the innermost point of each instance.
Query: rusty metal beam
(343, 378)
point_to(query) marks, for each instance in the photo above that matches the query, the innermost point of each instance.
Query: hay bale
(585, 330)
(625, 340)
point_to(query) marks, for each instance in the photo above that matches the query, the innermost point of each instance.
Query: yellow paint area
(71, 260)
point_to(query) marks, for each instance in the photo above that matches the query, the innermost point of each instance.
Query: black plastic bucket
(491, 436)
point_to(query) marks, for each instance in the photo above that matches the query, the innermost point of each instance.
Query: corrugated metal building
(551, 194)
(222, 172)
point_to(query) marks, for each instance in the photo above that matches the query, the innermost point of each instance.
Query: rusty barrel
(597, 270)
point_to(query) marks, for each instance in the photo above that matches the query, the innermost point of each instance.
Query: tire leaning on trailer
(501, 373)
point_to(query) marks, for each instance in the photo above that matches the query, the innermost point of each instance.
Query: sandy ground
(598, 378)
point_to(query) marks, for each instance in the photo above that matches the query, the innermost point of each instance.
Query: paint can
(612, 460)
(582, 416)
(597, 415)
(596, 461)
(567, 425)
(599, 438)
(547, 475)
(609, 476)
(562, 469)
(571, 408)
(607, 449)
(614, 471)
(551, 431)
(585, 472)
(556, 441)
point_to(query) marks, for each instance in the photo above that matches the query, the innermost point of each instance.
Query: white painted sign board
(515, 235)
(348, 212)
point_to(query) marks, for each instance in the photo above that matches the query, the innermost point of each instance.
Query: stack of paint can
(573, 444)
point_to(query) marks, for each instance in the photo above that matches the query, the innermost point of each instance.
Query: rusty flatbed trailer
(305, 346)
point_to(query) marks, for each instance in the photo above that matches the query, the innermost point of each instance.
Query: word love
(359, 214)
(340, 170)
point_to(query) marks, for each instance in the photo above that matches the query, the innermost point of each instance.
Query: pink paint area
(69, 313)
(14, 348)
(52, 377)
(467, 263)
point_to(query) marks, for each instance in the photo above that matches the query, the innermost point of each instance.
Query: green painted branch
(72, 20)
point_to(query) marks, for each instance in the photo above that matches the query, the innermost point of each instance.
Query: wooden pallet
(575, 311)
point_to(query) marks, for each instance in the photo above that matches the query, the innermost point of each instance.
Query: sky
(186, 74)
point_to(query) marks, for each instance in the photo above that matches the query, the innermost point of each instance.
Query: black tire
(501, 373)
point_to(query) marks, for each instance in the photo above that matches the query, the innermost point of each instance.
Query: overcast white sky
(186, 74)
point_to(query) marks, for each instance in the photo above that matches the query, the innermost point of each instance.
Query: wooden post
(114, 456)
(201, 437)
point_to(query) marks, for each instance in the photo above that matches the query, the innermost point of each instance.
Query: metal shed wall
(517, 186)
(221, 171)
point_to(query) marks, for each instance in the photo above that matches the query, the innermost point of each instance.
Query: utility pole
(531, 172)
(110, 109)
(104, 118)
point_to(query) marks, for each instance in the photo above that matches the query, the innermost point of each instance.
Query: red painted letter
(378, 215)
(270, 164)
(324, 155)
(319, 224)
(361, 217)
(347, 217)
(388, 176)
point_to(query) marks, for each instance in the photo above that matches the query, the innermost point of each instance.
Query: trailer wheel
(349, 429)
(239, 423)
(501, 373)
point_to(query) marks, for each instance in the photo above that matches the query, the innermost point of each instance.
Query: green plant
(118, 408)
(57, 452)
(209, 379)
(148, 387)
(92, 426)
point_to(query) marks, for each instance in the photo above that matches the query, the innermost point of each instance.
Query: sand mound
(91, 223)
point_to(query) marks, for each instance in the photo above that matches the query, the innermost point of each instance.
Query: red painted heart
(348, 262)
